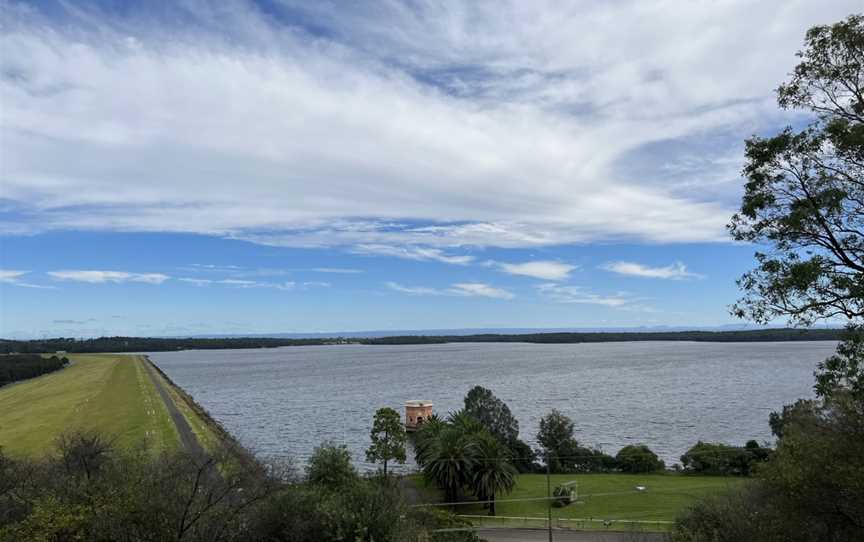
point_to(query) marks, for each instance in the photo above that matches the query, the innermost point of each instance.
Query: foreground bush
(811, 489)
(91, 491)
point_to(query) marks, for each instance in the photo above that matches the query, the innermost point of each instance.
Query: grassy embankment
(208, 432)
(112, 394)
(603, 497)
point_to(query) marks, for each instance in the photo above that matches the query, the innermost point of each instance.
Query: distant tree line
(756, 335)
(14, 367)
(157, 344)
(147, 344)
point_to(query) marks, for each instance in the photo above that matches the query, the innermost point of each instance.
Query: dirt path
(188, 440)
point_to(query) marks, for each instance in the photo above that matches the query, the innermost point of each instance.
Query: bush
(638, 458)
(723, 459)
(136, 496)
(593, 460)
(330, 466)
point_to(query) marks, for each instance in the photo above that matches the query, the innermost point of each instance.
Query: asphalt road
(188, 440)
(537, 535)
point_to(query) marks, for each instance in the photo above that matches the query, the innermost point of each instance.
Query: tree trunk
(492, 505)
(385, 468)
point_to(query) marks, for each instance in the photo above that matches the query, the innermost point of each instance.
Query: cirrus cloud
(477, 124)
(98, 277)
(541, 269)
(675, 271)
(462, 289)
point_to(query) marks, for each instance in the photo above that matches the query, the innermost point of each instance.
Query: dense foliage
(562, 452)
(494, 414)
(723, 459)
(91, 491)
(804, 196)
(637, 458)
(14, 367)
(811, 489)
(460, 454)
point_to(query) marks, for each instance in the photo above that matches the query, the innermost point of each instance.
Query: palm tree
(493, 471)
(450, 460)
(465, 423)
(425, 437)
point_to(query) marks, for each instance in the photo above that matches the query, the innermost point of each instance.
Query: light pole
(548, 497)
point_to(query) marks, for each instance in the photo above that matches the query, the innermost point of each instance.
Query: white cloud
(95, 277)
(471, 123)
(463, 289)
(240, 283)
(337, 270)
(541, 269)
(676, 271)
(579, 295)
(480, 289)
(414, 290)
(8, 276)
(414, 253)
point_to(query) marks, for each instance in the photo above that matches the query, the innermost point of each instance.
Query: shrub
(723, 459)
(330, 466)
(638, 458)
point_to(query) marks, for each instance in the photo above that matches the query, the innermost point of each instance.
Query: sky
(192, 167)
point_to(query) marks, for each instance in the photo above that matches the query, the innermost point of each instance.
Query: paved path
(537, 535)
(188, 440)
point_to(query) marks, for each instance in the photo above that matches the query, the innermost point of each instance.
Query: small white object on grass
(640, 488)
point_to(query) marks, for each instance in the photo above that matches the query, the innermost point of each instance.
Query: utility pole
(548, 498)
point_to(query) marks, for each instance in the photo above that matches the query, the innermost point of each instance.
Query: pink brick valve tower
(416, 412)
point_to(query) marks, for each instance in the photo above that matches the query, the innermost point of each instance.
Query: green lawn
(109, 393)
(605, 497)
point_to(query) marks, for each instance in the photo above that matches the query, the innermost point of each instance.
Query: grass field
(112, 394)
(604, 497)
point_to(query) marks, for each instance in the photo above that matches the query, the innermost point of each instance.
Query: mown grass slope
(112, 394)
(605, 497)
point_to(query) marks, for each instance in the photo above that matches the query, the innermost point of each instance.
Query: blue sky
(239, 167)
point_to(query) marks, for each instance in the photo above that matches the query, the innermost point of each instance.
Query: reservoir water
(282, 402)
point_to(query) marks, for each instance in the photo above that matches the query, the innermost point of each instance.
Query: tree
(493, 413)
(450, 460)
(425, 437)
(556, 439)
(723, 459)
(845, 369)
(638, 458)
(804, 195)
(330, 466)
(493, 472)
(388, 438)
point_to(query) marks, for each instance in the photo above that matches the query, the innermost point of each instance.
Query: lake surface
(282, 402)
